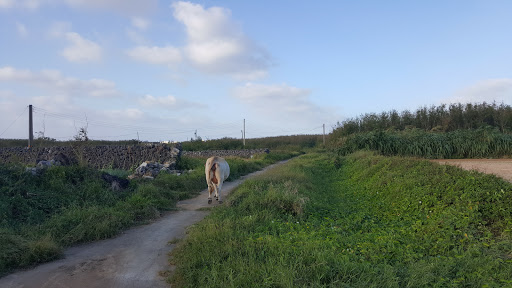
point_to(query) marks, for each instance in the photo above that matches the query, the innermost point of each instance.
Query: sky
(174, 70)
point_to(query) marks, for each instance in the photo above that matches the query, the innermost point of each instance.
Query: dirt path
(499, 167)
(133, 259)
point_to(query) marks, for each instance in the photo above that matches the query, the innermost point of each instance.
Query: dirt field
(498, 167)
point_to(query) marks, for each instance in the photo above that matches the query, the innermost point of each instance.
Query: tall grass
(479, 143)
(42, 214)
(373, 222)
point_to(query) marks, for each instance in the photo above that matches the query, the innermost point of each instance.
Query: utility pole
(244, 133)
(324, 134)
(30, 127)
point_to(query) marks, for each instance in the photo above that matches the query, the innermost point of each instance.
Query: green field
(360, 221)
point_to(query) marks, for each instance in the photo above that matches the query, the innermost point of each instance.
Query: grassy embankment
(373, 221)
(40, 215)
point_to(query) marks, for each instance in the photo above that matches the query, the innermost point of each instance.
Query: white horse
(217, 171)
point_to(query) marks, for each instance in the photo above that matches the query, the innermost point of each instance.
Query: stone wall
(121, 157)
(224, 153)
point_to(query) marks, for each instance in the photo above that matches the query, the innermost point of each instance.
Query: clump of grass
(18, 252)
(372, 222)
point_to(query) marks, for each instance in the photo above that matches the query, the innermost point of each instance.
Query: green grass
(41, 215)
(479, 143)
(372, 222)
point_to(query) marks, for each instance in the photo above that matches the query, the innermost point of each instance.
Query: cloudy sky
(166, 70)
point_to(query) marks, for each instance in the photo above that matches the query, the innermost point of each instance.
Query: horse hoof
(209, 201)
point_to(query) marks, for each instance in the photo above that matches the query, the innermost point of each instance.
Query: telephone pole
(30, 127)
(324, 134)
(243, 134)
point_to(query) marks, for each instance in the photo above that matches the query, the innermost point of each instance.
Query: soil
(499, 167)
(137, 258)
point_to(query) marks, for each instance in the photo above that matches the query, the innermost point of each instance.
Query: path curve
(133, 259)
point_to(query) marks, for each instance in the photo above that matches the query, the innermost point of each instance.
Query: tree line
(442, 118)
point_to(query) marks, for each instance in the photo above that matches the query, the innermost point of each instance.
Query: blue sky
(160, 70)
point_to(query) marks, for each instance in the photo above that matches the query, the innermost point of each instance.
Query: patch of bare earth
(499, 167)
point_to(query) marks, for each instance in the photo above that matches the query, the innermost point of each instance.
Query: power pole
(324, 134)
(244, 133)
(30, 127)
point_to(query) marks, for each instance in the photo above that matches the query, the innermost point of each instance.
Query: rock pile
(149, 170)
(59, 160)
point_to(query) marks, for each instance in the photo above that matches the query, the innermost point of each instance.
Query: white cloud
(282, 102)
(78, 48)
(6, 3)
(32, 4)
(124, 7)
(59, 29)
(149, 100)
(251, 76)
(22, 30)
(53, 80)
(28, 4)
(6, 94)
(156, 55)
(127, 7)
(127, 114)
(168, 102)
(135, 36)
(216, 43)
(81, 49)
(490, 90)
(140, 23)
